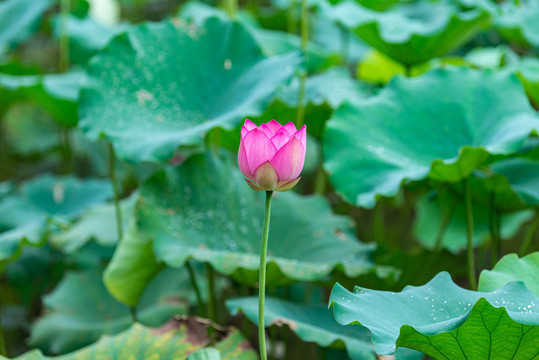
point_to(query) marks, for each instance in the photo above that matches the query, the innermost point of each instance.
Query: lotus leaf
(210, 215)
(512, 268)
(311, 323)
(80, 310)
(167, 84)
(399, 141)
(18, 19)
(442, 319)
(56, 93)
(412, 33)
(175, 340)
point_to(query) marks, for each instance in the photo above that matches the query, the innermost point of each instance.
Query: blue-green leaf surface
(442, 125)
(158, 86)
(443, 320)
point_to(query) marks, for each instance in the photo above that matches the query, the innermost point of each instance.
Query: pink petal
(247, 126)
(301, 135)
(284, 131)
(290, 127)
(289, 160)
(243, 163)
(280, 139)
(265, 128)
(274, 126)
(258, 148)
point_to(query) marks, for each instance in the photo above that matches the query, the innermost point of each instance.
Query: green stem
(469, 233)
(300, 116)
(200, 303)
(133, 311)
(345, 44)
(212, 304)
(262, 278)
(291, 20)
(408, 70)
(64, 35)
(231, 6)
(493, 229)
(246, 324)
(323, 353)
(378, 223)
(443, 225)
(115, 187)
(529, 235)
(497, 246)
(320, 182)
(273, 339)
(67, 154)
(3, 347)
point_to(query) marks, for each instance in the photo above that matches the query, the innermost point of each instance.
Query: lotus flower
(271, 156)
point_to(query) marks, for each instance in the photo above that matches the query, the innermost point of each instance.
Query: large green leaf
(311, 323)
(518, 22)
(411, 33)
(65, 196)
(488, 332)
(132, 267)
(512, 268)
(80, 310)
(162, 85)
(528, 72)
(175, 340)
(431, 210)
(444, 320)
(511, 182)
(527, 68)
(86, 36)
(18, 19)
(272, 42)
(442, 125)
(204, 210)
(349, 47)
(24, 214)
(96, 223)
(324, 92)
(28, 130)
(56, 93)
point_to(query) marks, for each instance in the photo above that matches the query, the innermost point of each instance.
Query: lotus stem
(469, 233)
(115, 188)
(192, 278)
(231, 7)
(529, 235)
(262, 278)
(378, 223)
(212, 306)
(133, 311)
(3, 347)
(493, 227)
(443, 225)
(345, 44)
(64, 36)
(303, 78)
(497, 246)
(408, 70)
(67, 154)
(291, 20)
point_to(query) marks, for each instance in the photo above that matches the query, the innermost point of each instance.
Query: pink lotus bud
(271, 156)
